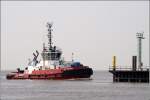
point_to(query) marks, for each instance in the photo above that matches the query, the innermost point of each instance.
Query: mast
(49, 25)
(44, 54)
(139, 49)
(72, 57)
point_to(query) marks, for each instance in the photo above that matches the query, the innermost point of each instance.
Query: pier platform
(129, 75)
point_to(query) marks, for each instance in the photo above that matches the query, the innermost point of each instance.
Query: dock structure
(123, 75)
(132, 73)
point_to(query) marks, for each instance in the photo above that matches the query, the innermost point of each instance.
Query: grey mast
(52, 52)
(139, 49)
(49, 25)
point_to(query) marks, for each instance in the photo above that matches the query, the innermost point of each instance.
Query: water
(100, 88)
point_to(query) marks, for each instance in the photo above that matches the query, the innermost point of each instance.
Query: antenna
(49, 25)
(44, 48)
(44, 54)
(72, 57)
(139, 49)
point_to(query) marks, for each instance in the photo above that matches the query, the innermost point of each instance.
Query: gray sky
(93, 30)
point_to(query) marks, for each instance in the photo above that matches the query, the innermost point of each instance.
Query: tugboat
(52, 66)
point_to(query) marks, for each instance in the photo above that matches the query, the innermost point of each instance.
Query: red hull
(54, 74)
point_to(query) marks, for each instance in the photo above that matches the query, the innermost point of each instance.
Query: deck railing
(129, 68)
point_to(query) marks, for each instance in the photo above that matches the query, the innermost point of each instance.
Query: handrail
(128, 68)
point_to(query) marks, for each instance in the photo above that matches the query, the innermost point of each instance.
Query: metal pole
(49, 25)
(44, 55)
(114, 63)
(139, 49)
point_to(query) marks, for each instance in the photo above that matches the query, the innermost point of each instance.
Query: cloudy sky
(93, 30)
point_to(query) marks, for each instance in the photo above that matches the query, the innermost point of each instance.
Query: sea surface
(100, 87)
